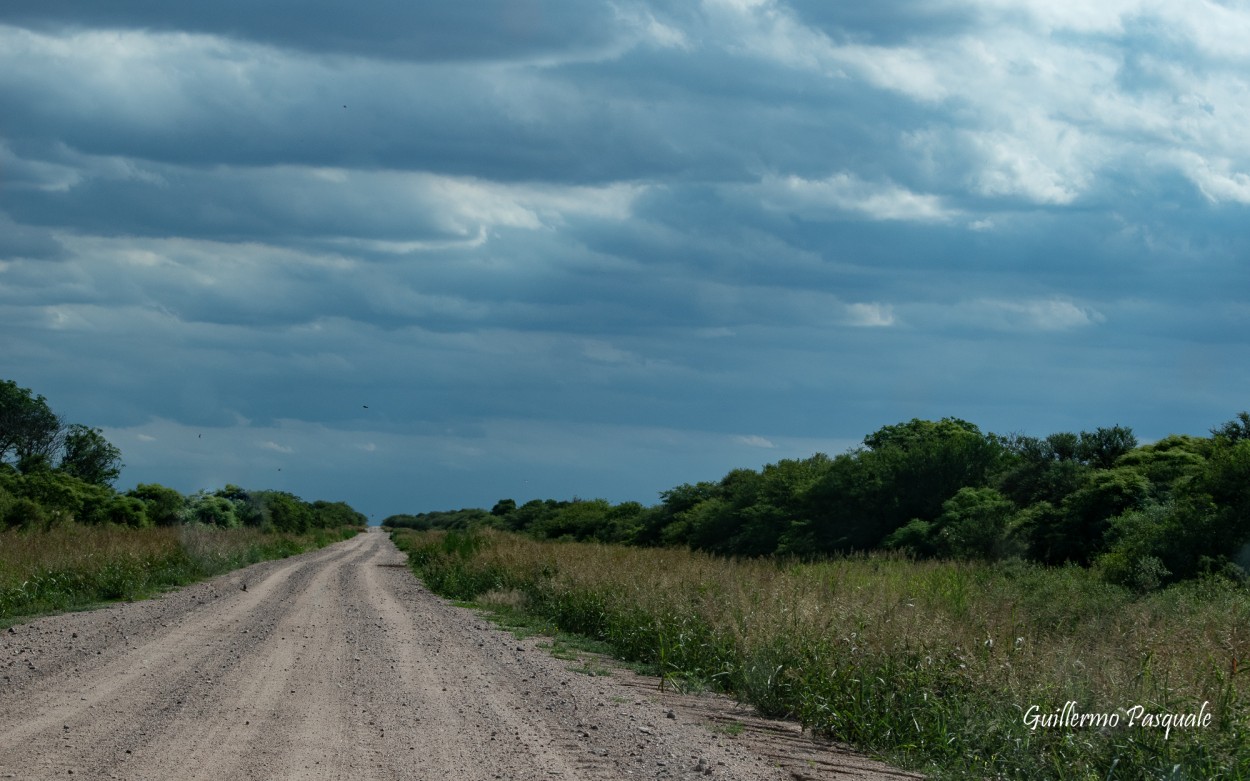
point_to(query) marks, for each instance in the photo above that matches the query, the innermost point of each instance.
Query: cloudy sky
(419, 255)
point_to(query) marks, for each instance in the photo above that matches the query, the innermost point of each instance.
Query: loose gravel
(339, 664)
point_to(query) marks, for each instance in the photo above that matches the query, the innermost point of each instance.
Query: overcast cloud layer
(427, 255)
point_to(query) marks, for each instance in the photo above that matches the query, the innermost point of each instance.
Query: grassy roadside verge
(74, 566)
(932, 665)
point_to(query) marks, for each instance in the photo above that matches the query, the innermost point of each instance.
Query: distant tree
(922, 463)
(1101, 447)
(1234, 431)
(87, 455)
(1040, 470)
(974, 524)
(211, 510)
(1064, 446)
(124, 511)
(1077, 532)
(851, 507)
(286, 512)
(333, 515)
(1168, 462)
(28, 428)
(666, 525)
(248, 509)
(163, 506)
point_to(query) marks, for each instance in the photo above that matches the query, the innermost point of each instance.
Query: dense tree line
(52, 472)
(1144, 515)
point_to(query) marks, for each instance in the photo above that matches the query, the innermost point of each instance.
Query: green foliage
(163, 506)
(73, 566)
(87, 455)
(931, 663)
(28, 427)
(454, 519)
(1078, 530)
(974, 524)
(1146, 515)
(331, 515)
(211, 510)
(285, 512)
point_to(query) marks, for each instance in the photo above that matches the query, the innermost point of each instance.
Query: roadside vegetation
(68, 539)
(1139, 516)
(938, 595)
(73, 566)
(932, 664)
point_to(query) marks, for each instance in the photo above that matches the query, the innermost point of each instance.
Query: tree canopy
(1143, 515)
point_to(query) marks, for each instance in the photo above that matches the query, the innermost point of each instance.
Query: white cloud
(846, 192)
(755, 441)
(912, 71)
(643, 23)
(768, 30)
(1013, 167)
(274, 446)
(1048, 314)
(1215, 178)
(870, 315)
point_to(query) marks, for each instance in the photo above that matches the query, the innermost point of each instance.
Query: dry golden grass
(70, 565)
(934, 662)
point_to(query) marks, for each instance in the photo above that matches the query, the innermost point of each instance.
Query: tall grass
(73, 566)
(932, 664)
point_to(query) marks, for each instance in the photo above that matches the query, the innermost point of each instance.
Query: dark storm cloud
(619, 245)
(482, 30)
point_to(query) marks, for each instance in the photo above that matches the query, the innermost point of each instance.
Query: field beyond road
(338, 664)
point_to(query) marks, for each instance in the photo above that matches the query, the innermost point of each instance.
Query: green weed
(72, 566)
(933, 665)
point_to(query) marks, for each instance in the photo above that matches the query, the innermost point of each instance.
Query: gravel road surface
(338, 664)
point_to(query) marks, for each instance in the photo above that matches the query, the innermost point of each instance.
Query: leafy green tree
(1100, 448)
(211, 510)
(1137, 544)
(286, 512)
(1235, 430)
(850, 507)
(1040, 470)
(87, 455)
(28, 427)
(917, 537)
(1214, 508)
(248, 508)
(124, 511)
(64, 497)
(695, 525)
(665, 526)
(163, 506)
(623, 522)
(905, 472)
(974, 524)
(1064, 446)
(1077, 532)
(1169, 462)
(335, 515)
(580, 519)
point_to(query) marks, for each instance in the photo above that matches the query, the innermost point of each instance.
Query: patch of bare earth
(338, 664)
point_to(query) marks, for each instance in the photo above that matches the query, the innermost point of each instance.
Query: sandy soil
(338, 664)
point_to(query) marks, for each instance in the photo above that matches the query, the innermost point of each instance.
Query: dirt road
(338, 664)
